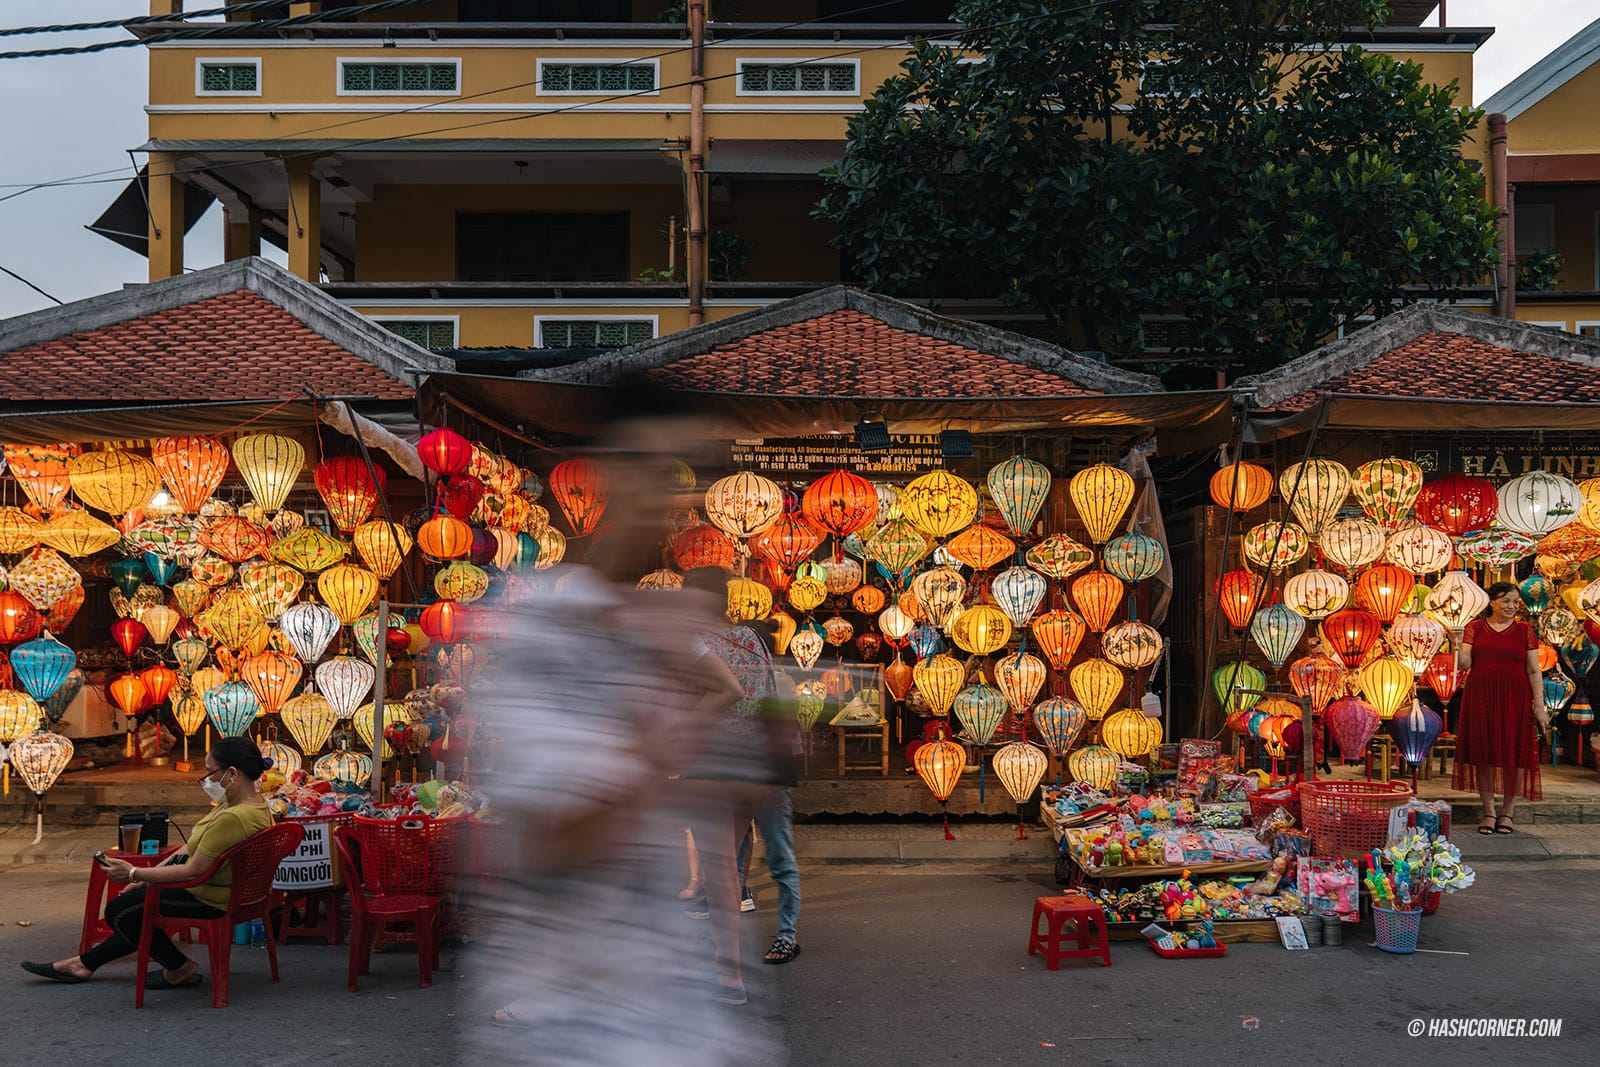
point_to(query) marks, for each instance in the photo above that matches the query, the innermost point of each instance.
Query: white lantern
(1538, 503)
(939, 591)
(309, 628)
(1414, 639)
(1316, 594)
(1134, 645)
(1420, 550)
(1353, 543)
(895, 623)
(742, 505)
(346, 681)
(1315, 491)
(1456, 601)
(1019, 591)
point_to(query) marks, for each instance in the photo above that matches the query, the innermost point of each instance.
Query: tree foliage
(1267, 183)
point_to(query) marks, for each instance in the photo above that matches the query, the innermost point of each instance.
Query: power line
(30, 285)
(139, 20)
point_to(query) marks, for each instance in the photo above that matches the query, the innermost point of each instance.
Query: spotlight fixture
(872, 434)
(955, 444)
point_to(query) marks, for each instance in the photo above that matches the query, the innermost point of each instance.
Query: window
(1158, 78)
(798, 77)
(429, 333)
(1170, 335)
(436, 78)
(1535, 226)
(558, 332)
(1588, 329)
(606, 76)
(527, 246)
(227, 77)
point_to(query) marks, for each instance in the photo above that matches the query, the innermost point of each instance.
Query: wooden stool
(1088, 921)
(1445, 746)
(872, 732)
(1386, 752)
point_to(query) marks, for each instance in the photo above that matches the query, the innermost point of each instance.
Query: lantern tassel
(948, 836)
(981, 770)
(1022, 833)
(38, 826)
(6, 774)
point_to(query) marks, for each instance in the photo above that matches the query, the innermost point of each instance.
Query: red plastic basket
(488, 858)
(1350, 819)
(1187, 953)
(1264, 802)
(412, 854)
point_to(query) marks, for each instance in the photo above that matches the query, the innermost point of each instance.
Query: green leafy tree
(1267, 182)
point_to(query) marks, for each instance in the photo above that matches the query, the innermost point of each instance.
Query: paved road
(901, 965)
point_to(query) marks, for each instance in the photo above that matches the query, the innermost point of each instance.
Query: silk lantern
(1456, 600)
(458, 580)
(938, 678)
(747, 600)
(310, 719)
(925, 639)
(868, 599)
(939, 592)
(343, 765)
(896, 547)
(1415, 640)
(1130, 734)
(939, 764)
(1276, 631)
(129, 694)
(704, 546)
(1415, 731)
(127, 574)
(742, 505)
(113, 481)
(269, 464)
(1059, 556)
(838, 630)
(383, 546)
(347, 590)
(1241, 486)
(806, 646)
(42, 665)
(284, 759)
(1019, 679)
(63, 611)
(895, 624)
(1019, 487)
(1020, 766)
(553, 549)
(579, 487)
(981, 548)
(1315, 490)
(189, 710)
(1101, 494)
(1538, 502)
(1097, 684)
(1097, 595)
(1316, 593)
(1273, 546)
(309, 550)
(1349, 633)
(1239, 593)
(1387, 685)
(19, 714)
(159, 621)
(1386, 489)
(444, 621)
(445, 452)
(1384, 590)
(1558, 690)
(1496, 546)
(980, 629)
(806, 594)
(272, 587)
(1133, 557)
(309, 628)
(272, 677)
(841, 575)
(1420, 550)
(1318, 676)
(129, 634)
(394, 714)
(192, 467)
(1353, 543)
(159, 680)
(1579, 653)
(980, 709)
(345, 681)
(1059, 721)
(1094, 765)
(938, 504)
(1018, 591)
(1133, 645)
(1444, 676)
(1237, 686)
(444, 537)
(790, 540)
(1458, 504)
(19, 531)
(41, 470)
(840, 503)
(76, 533)
(190, 652)
(460, 496)
(1059, 634)
(39, 758)
(348, 488)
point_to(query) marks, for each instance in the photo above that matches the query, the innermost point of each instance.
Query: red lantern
(1383, 589)
(347, 488)
(1350, 633)
(19, 620)
(840, 502)
(580, 489)
(704, 546)
(869, 645)
(397, 640)
(63, 611)
(1443, 676)
(1240, 593)
(789, 541)
(1590, 627)
(1458, 504)
(460, 496)
(233, 538)
(158, 682)
(445, 452)
(1319, 677)
(444, 621)
(484, 547)
(129, 634)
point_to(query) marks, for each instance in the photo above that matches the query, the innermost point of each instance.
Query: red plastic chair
(255, 860)
(371, 914)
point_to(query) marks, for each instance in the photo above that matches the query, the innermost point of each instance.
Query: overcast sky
(74, 115)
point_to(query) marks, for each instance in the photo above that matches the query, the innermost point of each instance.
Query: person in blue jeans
(775, 821)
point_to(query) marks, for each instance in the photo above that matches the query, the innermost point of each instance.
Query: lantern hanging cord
(259, 415)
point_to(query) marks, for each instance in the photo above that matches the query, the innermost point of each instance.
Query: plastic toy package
(1330, 887)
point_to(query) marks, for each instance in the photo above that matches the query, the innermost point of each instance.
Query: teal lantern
(980, 709)
(56, 705)
(343, 765)
(1558, 689)
(42, 665)
(528, 550)
(1239, 675)
(127, 574)
(1019, 487)
(1276, 631)
(925, 639)
(232, 707)
(1580, 655)
(1133, 557)
(162, 570)
(1536, 592)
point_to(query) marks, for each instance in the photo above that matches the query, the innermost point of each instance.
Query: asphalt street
(901, 964)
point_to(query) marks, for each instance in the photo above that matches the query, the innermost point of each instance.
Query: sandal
(48, 970)
(1486, 827)
(783, 950)
(157, 979)
(1508, 828)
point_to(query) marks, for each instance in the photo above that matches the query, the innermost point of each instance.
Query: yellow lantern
(897, 545)
(383, 546)
(1386, 684)
(272, 587)
(113, 481)
(663, 578)
(1130, 734)
(980, 629)
(309, 550)
(748, 599)
(190, 597)
(348, 590)
(1315, 490)
(806, 594)
(310, 718)
(1097, 685)
(980, 548)
(19, 531)
(20, 714)
(1020, 766)
(939, 503)
(77, 533)
(1589, 513)
(190, 711)
(160, 621)
(785, 632)
(506, 548)
(1097, 595)
(461, 581)
(233, 618)
(552, 548)
(939, 678)
(1101, 494)
(393, 714)
(205, 679)
(269, 463)
(1094, 765)
(272, 676)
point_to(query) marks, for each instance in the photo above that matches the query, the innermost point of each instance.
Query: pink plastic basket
(1397, 930)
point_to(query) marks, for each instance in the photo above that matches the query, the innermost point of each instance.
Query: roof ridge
(1557, 67)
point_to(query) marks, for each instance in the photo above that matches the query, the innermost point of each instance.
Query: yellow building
(548, 174)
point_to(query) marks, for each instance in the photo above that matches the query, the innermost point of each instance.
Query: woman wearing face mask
(232, 767)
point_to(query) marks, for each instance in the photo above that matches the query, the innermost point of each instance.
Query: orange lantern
(1241, 592)
(191, 467)
(1318, 676)
(789, 541)
(41, 470)
(868, 599)
(444, 537)
(1059, 633)
(1387, 685)
(580, 490)
(981, 547)
(1350, 633)
(383, 546)
(1097, 596)
(348, 488)
(704, 546)
(234, 539)
(1383, 589)
(158, 682)
(19, 620)
(1547, 657)
(444, 621)
(939, 764)
(1241, 486)
(129, 694)
(840, 503)
(272, 676)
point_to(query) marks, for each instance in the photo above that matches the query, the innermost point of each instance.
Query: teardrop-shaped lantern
(980, 629)
(1420, 550)
(1318, 676)
(383, 546)
(39, 758)
(1315, 490)
(896, 547)
(1316, 594)
(1240, 592)
(1241, 486)
(1097, 596)
(1098, 685)
(1130, 734)
(192, 468)
(938, 504)
(1276, 631)
(310, 718)
(1132, 645)
(744, 504)
(190, 652)
(1579, 654)
(272, 677)
(1456, 600)
(1094, 765)
(232, 706)
(839, 503)
(345, 681)
(1237, 686)
(939, 764)
(233, 618)
(980, 709)
(190, 712)
(1353, 724)
(1415, 731)
(790, 540)
(1101, 494)
(309, 628)
(806, 646)
(939, 592)
(42, 665)
(899, 678)
(1018, 591)
(1538, 503)
(160, 621)
(1019, 679)
(579, 487)
(939, 678)
(347, 487)
(269, 463)
(129, 634)
(272, 587)
(1059, 633)
(1019, 487)
(1348, 634)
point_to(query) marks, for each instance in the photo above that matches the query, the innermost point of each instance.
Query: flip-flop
(46, 970)
(157, 979)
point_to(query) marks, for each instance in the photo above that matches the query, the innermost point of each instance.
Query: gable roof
(244, 331)
(1569, 59)
(842, 343)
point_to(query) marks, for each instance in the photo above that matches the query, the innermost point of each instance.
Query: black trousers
(125, 913)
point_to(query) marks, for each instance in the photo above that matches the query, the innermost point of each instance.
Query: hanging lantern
(113, 481)
(841, 575)
(1097, 595)
(1536, 593)
(807, 594)
(1458, 504)
(41, 470)
(1387, 685)
(1019, 487)
(1059, 721)
(1059, 633)
(394, 714)
(211, 571)
(129, 694)
(840, 503)
(939, 592)
(895, 624)
(444, 537)
(272, 677)
(1019, 678)
(19, 715)
(704, 546)
(19, 531)
(444, 621)
(1318, 676)
(158, 680)
(1020, 767)
(1538, 503)
(1274, 545)
(343, 765)
(190, 652)
(1420, 550)
(233, 618)
(1557, 625)
(1384, 590)
(383, 546)
(310, 719)
(42, 666)
(1353, 543)
(162, 570)
(1386, 489)
(1094, 765)
(980, 629)
(579, 487)
(553, 549)
(1276, 631)
(1579, 652)
(234, 539)
(1101, 494)
(939, 764)
(76, 533)
(190, 712)
(1316, 594)
(1241, 486)
(1415, 640)
(938, 504)
(444, 452)
(1133, 645)
(980, 547)
(1130, 734)
(349, 590)
(205, 679)
(39, 758)
(897, 546)
(1443, 676)
(43, 577)
(1558, 690)
(1456, 600)
(129, 634)
(63, 611)
(347, 487)
(868, 599)
(742, 505)
(127, 574)
(1580, 712)
(1059, 556)
(1237, 686)
(1496, 547)
(980, 709)
(925, 640)
(159, 621)
(1315, 490)
(1018, 591)
(898, 677)
(1240, 593)
(1097, 685)
(1349, 633)
(269, 464)
(939, 678)
(345, 681)
(189, 596)
(192, 468)
(272, 587)
(459, 581)
(1134, 557)
(747, 599)
(806, 646)
(790, 540)
(309, 550)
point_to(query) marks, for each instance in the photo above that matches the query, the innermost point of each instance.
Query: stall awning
(1343, 411)
(127, 220)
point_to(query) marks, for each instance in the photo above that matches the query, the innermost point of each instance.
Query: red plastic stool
(317, 904)
(101, 889)
(1088, 928)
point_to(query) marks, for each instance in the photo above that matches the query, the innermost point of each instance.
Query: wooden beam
(1562, 167)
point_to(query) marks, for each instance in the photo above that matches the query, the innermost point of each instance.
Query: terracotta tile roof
(237, 346)
(1452, 366)
(849, 353)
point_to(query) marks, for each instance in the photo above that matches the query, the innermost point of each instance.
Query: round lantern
(444, 621)
(348, 489)
(1059, 722)
(271, 676)
(348, 590)
(19, 714)
(1094, 765)
(1352, 543)
(579, 488)
(42, 666)
(1538, 502)
(444, 537)
(1020, 767)
(1420, 550)
(1133, 645)
(1019, 678)
(790, 540)
(159, 681)
(742, 505)
(345, 681)
(806, 594)
(1386, 489)
(1589, 511)
(1458, 504)
(939, 592)
(1316, 594)
(939, 764)
(1237, 686)
(39, 758)
(1456, 600)
(980, 629)
(1018, 591)
(76, 533)
(806, 646)
(1274, 545)
(160, 621)
(1133, 557)
(1349, 633)
(868, 645)
(1130, 734)
(868, 599)
(310, 719)
(938, 504)
(980, 709)
(704, 546)
(553, 549)
(896, 547)
(459, 581)
(1387, 685)
(1241, 486)
(394, 713)
(1318, 676)
(895, 624)
(269, 464)
(1240, 593)
(309, 628)
(981, 548)
(1059, 633)
(748, 599)
(840, 503)
(461, 496)
(1019, 487)
(1097, 684)
(1059, 556)
(1315, 490)
(1276, 631)
(1101, 494)
(41, 470)
(1415, 640)
(129, 634)
(841, 575)
(939, 678)
(444, 452)
(192, 468)
(1384, 590)
(1097, 595)
(113, 481)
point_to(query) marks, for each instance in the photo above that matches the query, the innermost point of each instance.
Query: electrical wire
(30, 285)
(139, 20)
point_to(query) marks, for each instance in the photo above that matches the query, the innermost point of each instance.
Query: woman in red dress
(1502, 698)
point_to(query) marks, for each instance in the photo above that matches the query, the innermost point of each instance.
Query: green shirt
(220, 830)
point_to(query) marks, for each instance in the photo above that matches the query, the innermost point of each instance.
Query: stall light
(955, 444)
(872, 434)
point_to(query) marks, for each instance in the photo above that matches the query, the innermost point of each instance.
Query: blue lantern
(161, 569)
(924, 639)
(980, 710)
(42, 665)
(1415, 732)
(1558, 689)
(1580, 654)
(232, 707)
(528, 549)
(55, 708)
(1535, 592)
(1018, 591)
(126, 574)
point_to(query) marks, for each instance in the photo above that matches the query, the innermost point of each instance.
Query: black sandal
(48, 970)
(157, 979)
(1507, 829)
(783, 950)
(1486, 826)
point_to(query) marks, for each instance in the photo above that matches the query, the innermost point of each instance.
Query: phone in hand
(100, 858)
